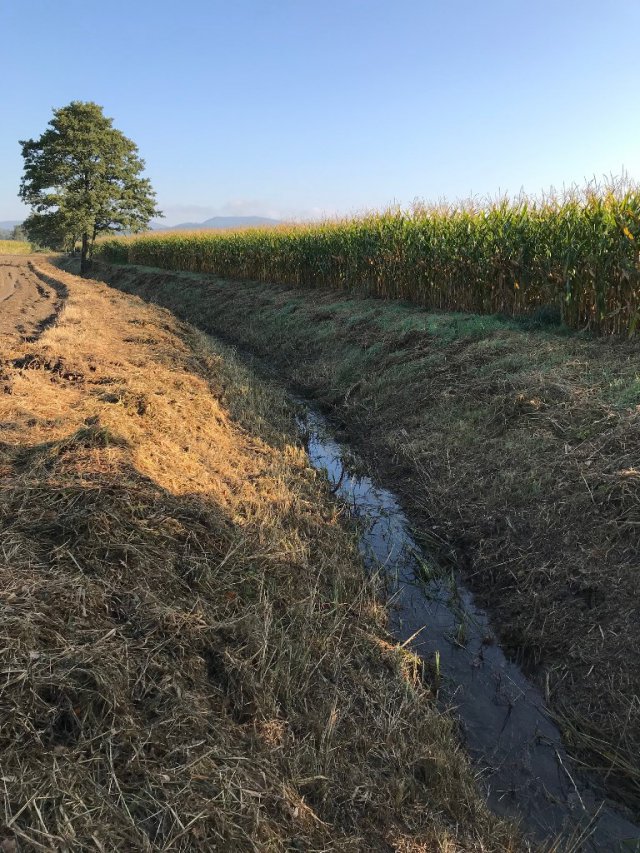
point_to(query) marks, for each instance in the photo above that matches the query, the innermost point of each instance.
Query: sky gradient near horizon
(299, 108)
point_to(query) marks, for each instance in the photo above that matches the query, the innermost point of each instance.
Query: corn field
(580, 253)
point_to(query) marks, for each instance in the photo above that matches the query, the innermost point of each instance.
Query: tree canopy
(82, 178)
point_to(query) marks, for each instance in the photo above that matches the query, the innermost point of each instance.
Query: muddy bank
(514, 448)
(517, 747)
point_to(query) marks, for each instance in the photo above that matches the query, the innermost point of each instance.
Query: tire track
(29, 300)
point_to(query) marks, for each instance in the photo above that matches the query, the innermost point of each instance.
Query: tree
(82, 178)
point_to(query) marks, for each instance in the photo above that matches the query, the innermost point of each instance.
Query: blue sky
(294, 108)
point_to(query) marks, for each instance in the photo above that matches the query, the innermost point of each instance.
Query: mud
(524, 767)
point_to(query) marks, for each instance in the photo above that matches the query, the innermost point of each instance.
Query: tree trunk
(84, 257)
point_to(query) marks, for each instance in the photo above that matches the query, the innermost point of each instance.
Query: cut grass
(192, 656)
(517, 447)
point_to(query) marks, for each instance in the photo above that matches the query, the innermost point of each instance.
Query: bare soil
(28, 302)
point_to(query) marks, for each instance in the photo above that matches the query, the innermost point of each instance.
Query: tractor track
(29, 300)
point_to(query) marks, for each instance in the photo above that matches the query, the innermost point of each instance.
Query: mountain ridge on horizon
(216, 222)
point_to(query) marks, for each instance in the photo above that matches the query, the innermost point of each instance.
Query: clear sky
(294, 108)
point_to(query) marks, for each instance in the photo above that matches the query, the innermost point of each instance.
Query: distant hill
(217, 222)
(214, 222)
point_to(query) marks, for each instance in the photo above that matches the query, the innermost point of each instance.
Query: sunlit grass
(179, 577)
(14, 247)
(578, 252)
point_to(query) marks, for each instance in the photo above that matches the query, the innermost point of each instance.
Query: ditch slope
(516, 449)
(192, 657)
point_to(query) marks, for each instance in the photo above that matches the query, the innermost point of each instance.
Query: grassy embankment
(514, 447)
(192, 657)
(578, 256)
(14, 247)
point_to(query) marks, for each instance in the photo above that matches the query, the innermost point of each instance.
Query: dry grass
(14, 247)
(191, 657)
(516, 450)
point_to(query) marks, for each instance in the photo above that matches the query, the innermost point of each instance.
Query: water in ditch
(524, 767)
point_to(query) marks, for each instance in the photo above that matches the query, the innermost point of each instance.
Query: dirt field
(192, 658)
(28, 303)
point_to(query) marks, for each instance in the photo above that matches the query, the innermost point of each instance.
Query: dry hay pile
(191, 659)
